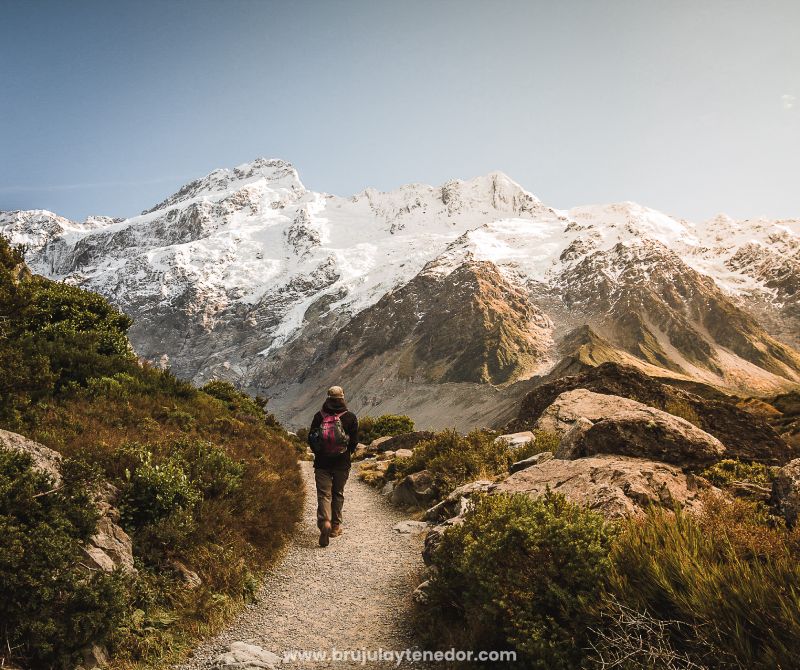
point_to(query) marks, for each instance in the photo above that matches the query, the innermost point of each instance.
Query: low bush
(153, 490)
(730, 470)
(523, 574)
(730, 574)
(455, 459)
(371, 428)
(50, 606)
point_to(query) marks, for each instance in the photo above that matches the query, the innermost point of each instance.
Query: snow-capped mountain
(436, 301)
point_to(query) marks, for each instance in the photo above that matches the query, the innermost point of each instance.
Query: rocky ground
(353, 595)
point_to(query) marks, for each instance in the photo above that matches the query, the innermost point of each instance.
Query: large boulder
(786, 491)
(628, 428)
(110, 547)
(414, 490)
(746, 436)
(615, 486)
(570, 406)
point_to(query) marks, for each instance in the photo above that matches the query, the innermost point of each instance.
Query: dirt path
(354, 594)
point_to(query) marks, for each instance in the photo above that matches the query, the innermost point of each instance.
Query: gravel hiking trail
(354, 594)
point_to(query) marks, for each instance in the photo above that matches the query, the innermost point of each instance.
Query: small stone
(530, 462)
(421, 594)
(516, 439)
(410, 527)
(189, 577)
(245, 656)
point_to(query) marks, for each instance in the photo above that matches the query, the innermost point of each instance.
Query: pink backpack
(333, 437)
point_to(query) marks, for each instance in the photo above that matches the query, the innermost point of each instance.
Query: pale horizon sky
(692, 108)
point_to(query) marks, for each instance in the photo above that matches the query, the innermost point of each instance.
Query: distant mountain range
(446, 303)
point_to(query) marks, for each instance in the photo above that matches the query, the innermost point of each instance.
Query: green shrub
(455, 459)
(521, 573)
(731, 574)
(155, 489)
(50, 606)
(236, 400)
(730, 470)
(210, 468)
(370, 428)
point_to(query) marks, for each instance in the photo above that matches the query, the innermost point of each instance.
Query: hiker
(333, 437)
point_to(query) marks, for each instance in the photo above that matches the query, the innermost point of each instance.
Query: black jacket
(350, 425)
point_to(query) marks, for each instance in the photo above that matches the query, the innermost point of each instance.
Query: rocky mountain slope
(441, 302)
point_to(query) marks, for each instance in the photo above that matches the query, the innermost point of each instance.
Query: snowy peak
(272, 174)
(244, 274)
(35, 228)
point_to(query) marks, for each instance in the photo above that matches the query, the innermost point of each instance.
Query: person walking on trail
(333, 437)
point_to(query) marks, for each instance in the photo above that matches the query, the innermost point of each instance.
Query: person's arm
(353, 434)
(316, 422)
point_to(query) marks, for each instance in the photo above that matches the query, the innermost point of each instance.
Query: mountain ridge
(246, 275)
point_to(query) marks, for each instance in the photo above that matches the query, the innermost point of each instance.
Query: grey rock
(410, 527)
(110, 547)
(569, 446)
(378, 441)
(403, 453)
(571, 406)
(615, 486)
(530, 461)
(405, 440)
(516, 439)
(189, 577)
(456, 502)
(628, 428)
(414, 490)
(786, 491)
(44, 459)
(750, 491)
(434, 538)
(246, 656)
(94, 656)
(420, 594)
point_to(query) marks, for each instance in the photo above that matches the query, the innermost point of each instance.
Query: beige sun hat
(336, 392)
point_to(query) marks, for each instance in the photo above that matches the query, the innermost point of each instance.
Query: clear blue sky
(689, 107)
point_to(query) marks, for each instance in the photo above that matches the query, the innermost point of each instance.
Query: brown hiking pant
(330, 494)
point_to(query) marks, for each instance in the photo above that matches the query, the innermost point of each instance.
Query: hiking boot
(336, 530)
(325, 534)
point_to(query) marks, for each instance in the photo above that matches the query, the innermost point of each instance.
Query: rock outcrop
(530, 461)
(595, 423)
(746, 436)
(615, 486)
(786, 491)
(414, 490)
(455, 503)
(110, 547)
(404, 440)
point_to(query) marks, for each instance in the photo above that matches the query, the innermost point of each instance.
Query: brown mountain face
(648, 303)
(472, 325)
